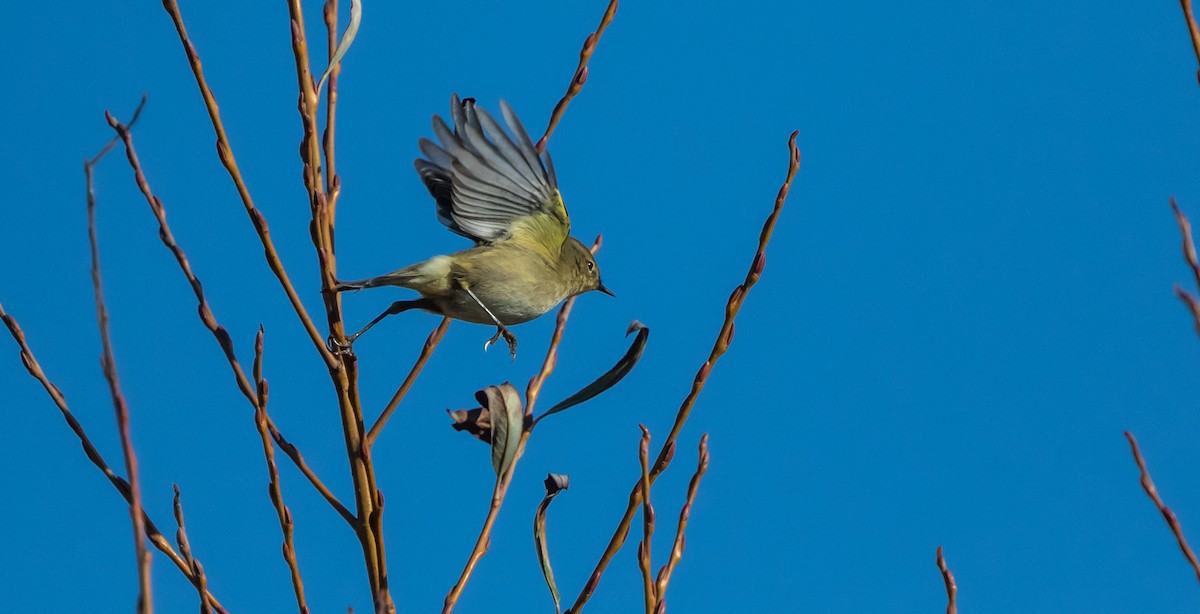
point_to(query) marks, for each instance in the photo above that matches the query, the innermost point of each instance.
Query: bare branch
(724, 337)
(185, 549)
(664, 573)
(431, 343)
(649, 589)
(1193, 31)
(1168, 515)
(951, 586)
(60, 401)
(580, 76)
(284, 515)
(225, 152)
(108, 362)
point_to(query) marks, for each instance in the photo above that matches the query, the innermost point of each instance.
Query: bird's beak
(606, 290)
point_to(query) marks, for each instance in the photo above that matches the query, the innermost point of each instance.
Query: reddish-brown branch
(431, 343)
(1193, 30)
(724, 337)
(282, 513)
(1168, 515)
(210, 321)
(342, 370)
(152, 533)
(580, 76)
(685, 513)
(331, 181)
(649, 589)
(145, 602)
(225, 152)
(951, 586)
(185, 549)
(256, 396)
(1189, 255)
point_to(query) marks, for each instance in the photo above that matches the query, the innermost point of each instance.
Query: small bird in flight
(497, 191)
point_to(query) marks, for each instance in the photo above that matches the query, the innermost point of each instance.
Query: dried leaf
(477, 422)
(614, 375)
(347, 40)
(554, 484)
(507, 416)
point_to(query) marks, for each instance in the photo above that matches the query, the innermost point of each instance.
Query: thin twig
(1193, 30)
(1168, 515)
(185, 549)
(60, 401)
(431, 343)
(108, 362)
(724, 337)
(1189, 255)
(951, 586)
(650, 591)
(664, 573)
(331, 96)
(256, 396)
(225, 152)
(284, 515)
(209, 320)
(580, 76)
(342, 369)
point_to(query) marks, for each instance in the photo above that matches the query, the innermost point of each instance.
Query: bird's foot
(341, 349)
(509, 338)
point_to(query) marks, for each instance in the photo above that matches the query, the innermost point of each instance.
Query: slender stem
(1168, 515)
(431, 343)
(724, 337)
(342, 370)
(225, 152)
(1193, 30)
(282, 513)
(580, 76)
(185, 549)
(252, 394)
(650, 591)
(332, 187)
(951, 585)
(152, 533)
(145, 602)
(1189, 255)
(664, 574)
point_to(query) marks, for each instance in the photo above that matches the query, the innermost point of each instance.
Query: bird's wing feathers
(488, 186)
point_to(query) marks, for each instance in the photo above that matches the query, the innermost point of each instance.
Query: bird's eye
(591, 265)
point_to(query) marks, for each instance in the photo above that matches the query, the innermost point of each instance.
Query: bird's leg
(509, 338)
(392, 309)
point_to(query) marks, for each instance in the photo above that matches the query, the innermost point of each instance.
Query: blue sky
(967, 300)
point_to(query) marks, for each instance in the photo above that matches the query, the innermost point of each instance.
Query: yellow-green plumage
(498, 192)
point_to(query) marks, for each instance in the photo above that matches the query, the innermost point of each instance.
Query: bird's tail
(395, 278)
(429, 277)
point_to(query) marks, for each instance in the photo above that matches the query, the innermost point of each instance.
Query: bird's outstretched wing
(489, 186)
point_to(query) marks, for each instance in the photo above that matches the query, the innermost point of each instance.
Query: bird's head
(582, 268)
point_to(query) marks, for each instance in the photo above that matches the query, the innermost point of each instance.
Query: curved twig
(152, 533)
(719, 347)
(580, 76)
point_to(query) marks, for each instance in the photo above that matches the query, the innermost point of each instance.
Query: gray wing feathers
(482, 179)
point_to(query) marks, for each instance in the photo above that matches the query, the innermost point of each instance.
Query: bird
(497, 190)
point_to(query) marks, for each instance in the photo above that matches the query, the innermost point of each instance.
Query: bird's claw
(341, 349)
(509, 338)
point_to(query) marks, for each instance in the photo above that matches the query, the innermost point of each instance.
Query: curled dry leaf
(555, 483)
(499, 420)
(612, 376)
